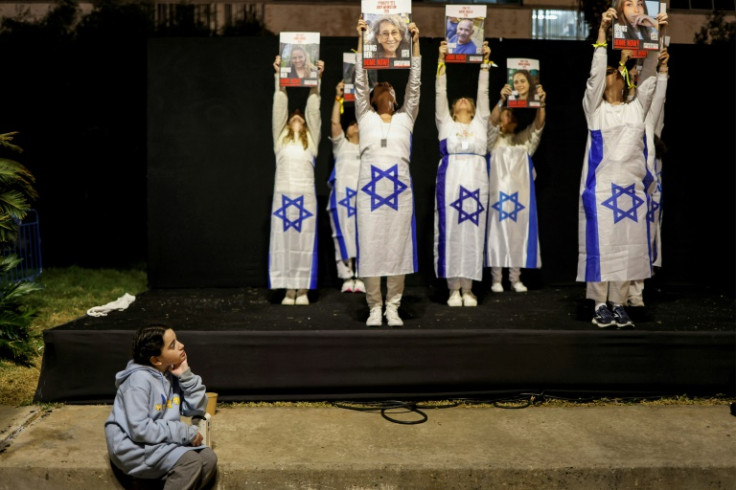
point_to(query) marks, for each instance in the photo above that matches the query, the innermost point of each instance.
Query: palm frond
(5, 141)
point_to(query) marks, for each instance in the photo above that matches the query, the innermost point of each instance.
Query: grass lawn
(68, 293)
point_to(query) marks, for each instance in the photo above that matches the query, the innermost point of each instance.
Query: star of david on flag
(511, 198)
(350, 194)
(652, 210)
(298, 203)
(391, 200)
(612, 203)
(474, 197)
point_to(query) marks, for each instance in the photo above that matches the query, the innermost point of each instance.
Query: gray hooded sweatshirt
(145, 436)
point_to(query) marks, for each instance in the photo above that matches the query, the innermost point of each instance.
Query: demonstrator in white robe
(292, 257)
(512, 234)
(613, 240)
(654, 123)
(343, 184)
(385, 202)
(461, 196)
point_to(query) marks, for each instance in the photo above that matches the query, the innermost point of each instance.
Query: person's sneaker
(374, 318)
(301, 299)
(455, 299)
(469, 299)
(392, 316)
(621, 317)
(358, 286)
(603, 317)
(636, 301)
(519, 287)
(348, 286)
(289, 297)
(497, 287)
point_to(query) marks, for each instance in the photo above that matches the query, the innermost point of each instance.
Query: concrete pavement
(607, 447)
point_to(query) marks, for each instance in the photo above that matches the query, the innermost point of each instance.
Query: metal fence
(28, 248)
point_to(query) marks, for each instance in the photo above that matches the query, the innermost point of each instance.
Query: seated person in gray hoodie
(145, 436)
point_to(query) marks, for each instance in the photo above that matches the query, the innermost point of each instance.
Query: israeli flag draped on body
(461, 198)
(292, 257)
(513, 238)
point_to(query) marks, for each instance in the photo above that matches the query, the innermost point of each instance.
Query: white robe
(613, 242)
(513, 236)
(292, 257)
(344, 190)
(461, 196)
(386, 229)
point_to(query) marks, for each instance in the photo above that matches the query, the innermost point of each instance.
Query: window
(558, 24)
(725, 5)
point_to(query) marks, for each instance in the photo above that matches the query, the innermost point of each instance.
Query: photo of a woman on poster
(391, 36)
(300, 62)
(523, 86)
(634, 22)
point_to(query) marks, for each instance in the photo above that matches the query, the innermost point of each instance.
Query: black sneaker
(621, 317)
(603, 317)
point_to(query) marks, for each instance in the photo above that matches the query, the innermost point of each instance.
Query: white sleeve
(280, 111)
(441, 106)
(312, 114)
(596, 85)
(411, 94)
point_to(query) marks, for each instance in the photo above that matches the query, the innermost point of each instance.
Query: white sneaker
(301, 298)
(374, 318)
(519, 287)
(455, 299)
(469, 299)
(358, 286)
(392, 316)
(497, 287)
(347, 286)
(289, 297)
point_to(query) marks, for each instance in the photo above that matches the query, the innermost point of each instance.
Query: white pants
(617, 292)
(636, 289)
(394, 290)
(454, 283)
(514, 274)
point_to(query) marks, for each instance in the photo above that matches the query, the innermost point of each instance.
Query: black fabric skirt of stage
(247, 346)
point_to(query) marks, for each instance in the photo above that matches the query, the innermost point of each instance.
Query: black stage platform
(247, 346)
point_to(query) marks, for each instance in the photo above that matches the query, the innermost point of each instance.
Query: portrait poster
(523, 76)
(464, 33)
(638, 32)
(386, 42)
(348, 76)
(299, 55)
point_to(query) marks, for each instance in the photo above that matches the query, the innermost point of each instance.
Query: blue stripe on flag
(592, 246)
(531, 244)
(442, 214)
(313, 272)
(336, 223)
(413, 229)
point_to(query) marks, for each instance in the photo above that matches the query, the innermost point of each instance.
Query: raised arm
(362, 90)
(411, 94)
(335, 126)
(312, 114)
(496, 113)
(541, 116)
(596, 85)
(648, 79)
(656, 111)
(483, 108)
(441, 106)
(280, 111)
